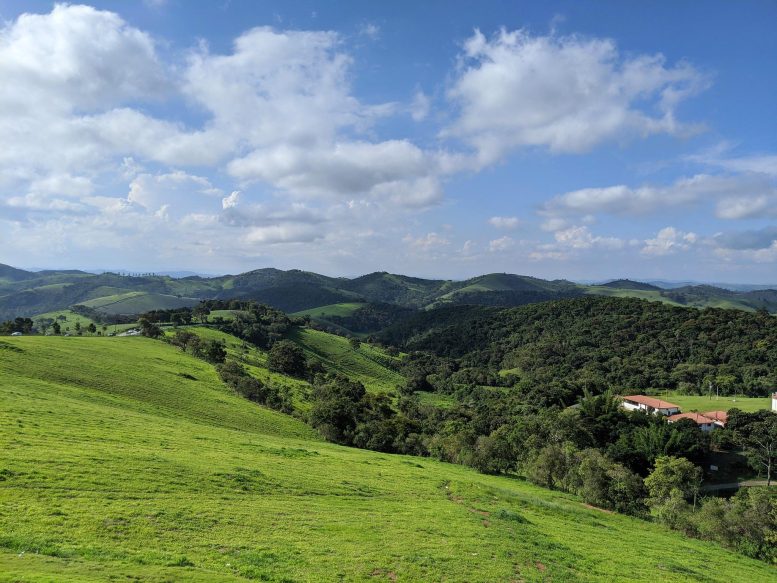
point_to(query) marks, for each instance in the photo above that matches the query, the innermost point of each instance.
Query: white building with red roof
(649, 405)
(704, 423)
(719, 417)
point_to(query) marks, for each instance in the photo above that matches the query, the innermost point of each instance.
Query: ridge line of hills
(27, 293)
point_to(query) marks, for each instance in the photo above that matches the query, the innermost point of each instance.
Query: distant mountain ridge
(28, 293)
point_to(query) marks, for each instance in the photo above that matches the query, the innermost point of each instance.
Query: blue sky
(569, 139)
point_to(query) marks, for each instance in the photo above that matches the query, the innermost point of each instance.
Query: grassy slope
(71, 318)
(366, 364)
(133, 474)
(342, 310)
(255, 361)
(137, 302)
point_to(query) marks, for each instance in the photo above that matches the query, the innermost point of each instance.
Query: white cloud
(420, 106)
(668, 241)
(739, 196)
(427, 242)
(580, 237)
(178, 192)
(501, 244)
(504, 222)
(370, 30)
(568, 94)
(231, 200)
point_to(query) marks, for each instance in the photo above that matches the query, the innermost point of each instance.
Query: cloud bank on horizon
(550, 153)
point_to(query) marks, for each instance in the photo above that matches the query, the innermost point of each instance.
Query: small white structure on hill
(774, 402)
(649, 405)
(703, 422)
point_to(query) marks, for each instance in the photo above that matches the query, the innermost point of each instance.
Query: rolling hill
(24, 293)
(124, 458)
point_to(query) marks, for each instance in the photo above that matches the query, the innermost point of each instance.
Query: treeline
(371, 317)
(558, 349)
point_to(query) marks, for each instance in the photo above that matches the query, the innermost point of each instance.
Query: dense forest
(557, 350)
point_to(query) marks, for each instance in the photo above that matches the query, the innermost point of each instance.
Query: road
(735, 485)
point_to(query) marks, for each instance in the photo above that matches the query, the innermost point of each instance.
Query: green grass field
(703, 403)
(116, 465)
(136, 302)
(367, 364)
(71, 318)
(341, 310)
(255, 361)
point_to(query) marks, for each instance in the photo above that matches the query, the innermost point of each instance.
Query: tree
(91, 328)
(759, 439)
(201, 312)
(149, 329)
(214, 351)
(354, 342)
(671, 478)
(56, 328)
(78, 327)
(286, 357)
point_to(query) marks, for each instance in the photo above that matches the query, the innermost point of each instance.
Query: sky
(577, 140)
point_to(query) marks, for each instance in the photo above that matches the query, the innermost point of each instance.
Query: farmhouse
(649, 405)
(720, 418)
(704, 423)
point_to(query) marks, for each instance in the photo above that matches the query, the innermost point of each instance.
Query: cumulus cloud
(567, 94)
(427, 242)
(504, 222)
(668, 241)
(744, 240)
(738, 197)
(573, 240)
(501, 244)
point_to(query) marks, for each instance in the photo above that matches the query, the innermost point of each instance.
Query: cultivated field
(125, 459)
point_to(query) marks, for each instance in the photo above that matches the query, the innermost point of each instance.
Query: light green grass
(113, 469)
(367, 364)
(703, 403)
(70, 321)
(137, 302)
(255, 362)
(437, 399)
(341, 310)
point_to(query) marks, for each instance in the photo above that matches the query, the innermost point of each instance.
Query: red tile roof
(721, 416)
(697, 417)
(650, 402)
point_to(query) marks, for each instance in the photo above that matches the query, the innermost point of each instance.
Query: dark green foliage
(371, 317)
(757, 434)
(255, 323)
(287, 358)
(561, 348)
(234, 375)
(23, 325)
(147, 328)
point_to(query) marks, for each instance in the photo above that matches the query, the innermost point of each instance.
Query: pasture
(126, 459)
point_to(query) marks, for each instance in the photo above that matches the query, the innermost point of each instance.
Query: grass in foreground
(134, 474)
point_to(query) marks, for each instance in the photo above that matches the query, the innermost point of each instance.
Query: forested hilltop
(557, 349)
(28, 294)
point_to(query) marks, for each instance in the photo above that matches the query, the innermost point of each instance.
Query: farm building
(704, 423)
(774, 402)
(649, 405)
(720, 418)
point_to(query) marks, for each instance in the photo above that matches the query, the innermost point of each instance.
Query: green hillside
(130, 470)
(366, 364)
(321, 312)
(138, 302)
(25, 293)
